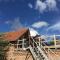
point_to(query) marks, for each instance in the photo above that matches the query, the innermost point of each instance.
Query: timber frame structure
(22, 40)
(19, 39)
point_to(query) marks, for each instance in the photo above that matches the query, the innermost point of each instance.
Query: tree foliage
(51, 42)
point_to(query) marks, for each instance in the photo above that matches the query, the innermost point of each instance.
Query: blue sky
(41, 16)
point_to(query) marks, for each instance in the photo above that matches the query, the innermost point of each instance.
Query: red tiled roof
(12, 36)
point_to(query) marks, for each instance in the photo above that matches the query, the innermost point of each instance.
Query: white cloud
(55, 27)
(46, 5)
(40, 24)
(41, 6)
(30, 5)
(33, 32)
(51, 4)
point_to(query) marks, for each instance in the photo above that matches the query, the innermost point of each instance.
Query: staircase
(38, 54)
(42, 54)
(33, 53)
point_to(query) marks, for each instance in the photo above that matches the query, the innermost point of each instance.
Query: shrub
(3, 44)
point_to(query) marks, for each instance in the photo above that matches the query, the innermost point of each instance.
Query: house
(19, 39)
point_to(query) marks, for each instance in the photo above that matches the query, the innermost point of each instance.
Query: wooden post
(17, 44)
(55, 41)
(23, 44)
(39, 42)
(33, 43)
(23, 47)
(29, 40)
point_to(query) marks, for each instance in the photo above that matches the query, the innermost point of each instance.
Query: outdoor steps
(39, 55)
(42, 53)
(33, 53)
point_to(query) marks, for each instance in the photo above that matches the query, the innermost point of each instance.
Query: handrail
(50, 36)
(51, 50)
(40, 50)
(34, 55)
(45, 50)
